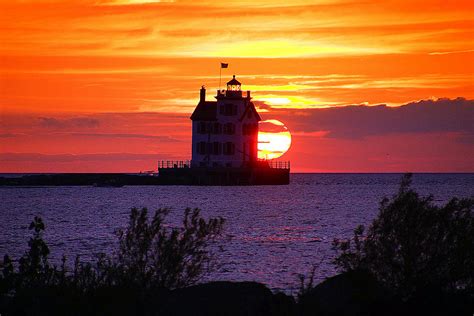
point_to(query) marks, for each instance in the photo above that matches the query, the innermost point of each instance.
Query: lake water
(276, 232)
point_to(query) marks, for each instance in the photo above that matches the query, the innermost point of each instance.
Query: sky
(362, 86)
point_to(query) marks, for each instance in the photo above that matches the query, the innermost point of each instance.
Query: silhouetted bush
(151, 255)
(415, 246)
(151, 259)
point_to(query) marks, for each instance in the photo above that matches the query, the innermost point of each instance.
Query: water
(277, 232)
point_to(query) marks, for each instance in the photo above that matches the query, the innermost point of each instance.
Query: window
(229, 148)
(216, 128)
(229, 128)
(204, 148)
(249, 129)
(202, 128)
(245, 129)
(201, 148)
(232, 110)
(228, 109)
(216, 148)
(234, 87)
(253, 129)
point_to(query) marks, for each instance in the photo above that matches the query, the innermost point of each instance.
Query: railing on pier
(277, 164)
(274, 164)
(174, 164)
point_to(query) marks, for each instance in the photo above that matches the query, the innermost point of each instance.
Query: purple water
(277, 232)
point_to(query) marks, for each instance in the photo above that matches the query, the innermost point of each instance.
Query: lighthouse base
(224, 176)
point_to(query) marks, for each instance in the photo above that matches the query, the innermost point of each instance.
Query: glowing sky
(91, 85)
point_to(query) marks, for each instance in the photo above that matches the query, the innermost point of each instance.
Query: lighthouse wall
(225, 142)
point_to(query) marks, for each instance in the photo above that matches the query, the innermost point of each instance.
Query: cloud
(81, 122)
(272, 126)
(452, 52)
(360, 121)
(63, 158)
(120, 135)
(10, 135)
(261, 105)
(157, 27)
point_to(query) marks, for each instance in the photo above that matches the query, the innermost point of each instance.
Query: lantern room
(234, 88)
(233, 85)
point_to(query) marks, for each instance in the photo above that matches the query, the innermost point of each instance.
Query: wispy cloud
(275, 29)
(51, 158)
(81, 122)
(452, 52)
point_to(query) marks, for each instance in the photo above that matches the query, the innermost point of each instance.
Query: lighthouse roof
(205, 111)
(251, 108)
(234, 82)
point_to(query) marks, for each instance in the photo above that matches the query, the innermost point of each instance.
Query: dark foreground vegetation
(416, 258)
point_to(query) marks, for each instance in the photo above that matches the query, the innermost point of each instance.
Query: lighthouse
(224, 145)
(225, 131)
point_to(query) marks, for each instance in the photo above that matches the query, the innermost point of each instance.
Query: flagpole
(220, 76)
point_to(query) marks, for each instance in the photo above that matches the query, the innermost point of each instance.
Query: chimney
(202, 95)
(248, 94)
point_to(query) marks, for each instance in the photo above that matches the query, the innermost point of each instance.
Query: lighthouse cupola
(234, 88)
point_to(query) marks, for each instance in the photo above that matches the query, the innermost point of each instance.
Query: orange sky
(93, 85)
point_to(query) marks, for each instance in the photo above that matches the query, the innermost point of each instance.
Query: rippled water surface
(276, 232)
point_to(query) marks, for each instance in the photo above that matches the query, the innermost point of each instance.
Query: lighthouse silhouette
(225, 132)
(224, 145)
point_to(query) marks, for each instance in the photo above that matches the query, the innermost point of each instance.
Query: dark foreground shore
(351, 293)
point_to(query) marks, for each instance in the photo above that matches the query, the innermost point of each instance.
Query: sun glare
(274, 139)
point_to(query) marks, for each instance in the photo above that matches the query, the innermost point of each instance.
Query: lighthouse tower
(225, 132)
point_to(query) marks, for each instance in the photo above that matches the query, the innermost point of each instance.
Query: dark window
(228, 109)
(245, 129)
(229, 129)
(249, 129)
(216, 128)
(216, 148)
(253, 129)
(201, 148)
(202, 127)
(229, 148)
(233, 109)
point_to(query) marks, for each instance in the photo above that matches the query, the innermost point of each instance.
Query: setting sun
(274, 139)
